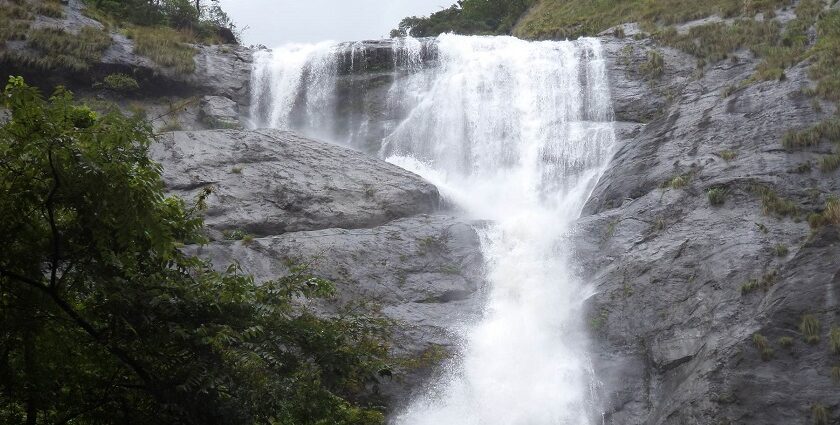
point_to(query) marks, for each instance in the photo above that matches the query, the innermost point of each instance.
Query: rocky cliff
(704, 304)
(715, 299)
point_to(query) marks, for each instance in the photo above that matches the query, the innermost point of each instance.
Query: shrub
(763, 346)
(121, 83)
(781, 250)
(810, 328)
(717, 196)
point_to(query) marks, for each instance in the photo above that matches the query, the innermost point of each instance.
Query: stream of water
(511, 131)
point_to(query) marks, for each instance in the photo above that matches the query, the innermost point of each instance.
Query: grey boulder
(269, 182)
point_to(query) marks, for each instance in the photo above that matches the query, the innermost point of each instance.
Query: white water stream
(511, 131)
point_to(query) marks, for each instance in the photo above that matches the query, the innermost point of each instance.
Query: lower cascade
(513, 132)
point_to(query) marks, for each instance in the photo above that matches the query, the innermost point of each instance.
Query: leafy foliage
(485, 17)
(121, 82)
(104, 320)
(204, 19)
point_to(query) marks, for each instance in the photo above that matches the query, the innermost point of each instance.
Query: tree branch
(119, 353)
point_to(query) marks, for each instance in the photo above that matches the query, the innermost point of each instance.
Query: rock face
(356, 220)
(423, 272)
(675, 336)
(219, 112)
(268, 182)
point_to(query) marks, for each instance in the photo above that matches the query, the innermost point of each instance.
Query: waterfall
(511, 131)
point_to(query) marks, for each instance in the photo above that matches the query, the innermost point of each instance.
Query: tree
(103, 318)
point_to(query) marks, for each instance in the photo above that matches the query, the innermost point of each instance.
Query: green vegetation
(810, 328)
(165, 46)
(570, 19)
(15, 19)
(62, 50)
(831, 214)
(830, 163)
(654, 66)
(763, 346)
(121, 83)
(773, 204)
(826, 56)
(484, 17)
(834, 340)
(433, 355)
(828, 130)
(678, 182)
(714, 42)
(717, 196)
(235, 234)
(105, 321)
(728, 155)
(51, 8)
(786, 342)
(766, 281)
(819, 414)
(781, 250)
(203, 20)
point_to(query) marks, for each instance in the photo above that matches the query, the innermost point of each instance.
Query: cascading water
(511, 131)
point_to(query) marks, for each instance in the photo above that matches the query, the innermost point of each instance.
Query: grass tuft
(62, 50)
(728, 155)
(717, 196)
(654, 66)
(165, 46)
(786, 342)
(819, 414)
(830, 163)
(773, 204)
(766, 281)
(763, 346)
(810, 328)
(834, 339)
(828, 130)
(781, 250)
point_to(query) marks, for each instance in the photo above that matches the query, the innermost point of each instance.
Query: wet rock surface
(673, 332)
(267, 182)
(423, 272)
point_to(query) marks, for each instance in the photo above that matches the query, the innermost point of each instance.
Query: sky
(277, 22)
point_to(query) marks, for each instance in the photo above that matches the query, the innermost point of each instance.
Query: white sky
(276, 22)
